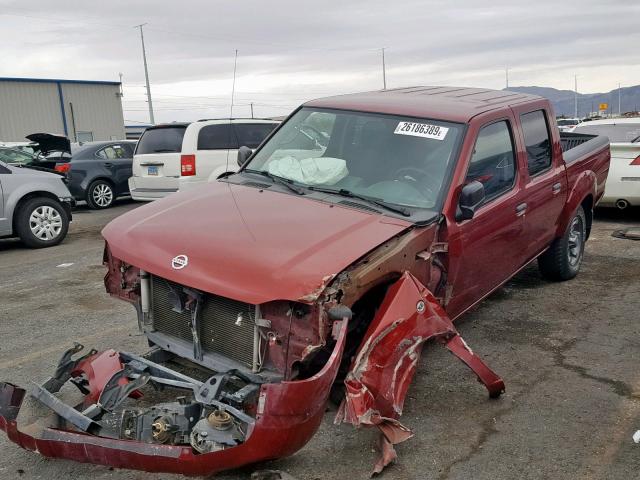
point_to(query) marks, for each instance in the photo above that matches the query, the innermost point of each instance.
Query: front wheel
(41, 222)
(563, 258)
(100, 194)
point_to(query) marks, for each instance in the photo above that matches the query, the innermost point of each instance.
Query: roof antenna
(233, 91)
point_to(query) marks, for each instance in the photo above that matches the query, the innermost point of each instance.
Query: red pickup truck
(360, 229)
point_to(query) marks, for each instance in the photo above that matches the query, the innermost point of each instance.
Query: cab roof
(455, 104)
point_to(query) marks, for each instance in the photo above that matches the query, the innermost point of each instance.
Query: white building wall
(28, 108)
(96, 109)
(35, 106)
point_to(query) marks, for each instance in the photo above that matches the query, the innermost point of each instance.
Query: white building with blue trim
(83, 110)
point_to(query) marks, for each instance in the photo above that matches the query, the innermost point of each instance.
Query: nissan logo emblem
(179, 262)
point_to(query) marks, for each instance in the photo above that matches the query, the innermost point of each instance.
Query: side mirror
(471, 197)
(243, 155)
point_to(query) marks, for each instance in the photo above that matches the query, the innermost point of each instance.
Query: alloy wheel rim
(575, 241)
(45, 223)
(102, 195)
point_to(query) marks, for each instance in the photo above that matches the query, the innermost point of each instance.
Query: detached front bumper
(287, 416)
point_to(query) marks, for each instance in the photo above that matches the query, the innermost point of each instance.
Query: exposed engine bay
(210, 414)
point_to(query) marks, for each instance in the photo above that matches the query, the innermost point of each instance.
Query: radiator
(219, 330)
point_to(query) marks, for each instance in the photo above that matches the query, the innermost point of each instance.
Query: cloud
(290, 51)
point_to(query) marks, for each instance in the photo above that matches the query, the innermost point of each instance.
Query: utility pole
(233, 86)
(619, 101)
(146, 74)
(251, 109)
(575, 89)
(506, 72)
(384, 71)
(121, 92)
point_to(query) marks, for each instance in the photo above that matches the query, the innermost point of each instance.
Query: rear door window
(493, 160)
(252, 134)
(537, 141)
(112, 152)
(217, 137)
(161, 140)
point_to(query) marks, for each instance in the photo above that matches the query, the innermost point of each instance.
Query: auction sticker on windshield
(421, 130)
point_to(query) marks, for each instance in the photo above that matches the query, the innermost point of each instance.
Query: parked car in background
(623, 183)
(178, 156)
(566, 124)
(34, 205)
(98, 172)
(14, 156)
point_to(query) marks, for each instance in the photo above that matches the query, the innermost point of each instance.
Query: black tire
(41, 222)
(563, 258)
(100, 194)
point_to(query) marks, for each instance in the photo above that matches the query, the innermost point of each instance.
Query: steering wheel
(417, 176)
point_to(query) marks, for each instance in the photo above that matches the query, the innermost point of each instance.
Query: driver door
(487, 249)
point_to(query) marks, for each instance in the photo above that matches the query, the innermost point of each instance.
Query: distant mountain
(563, 100)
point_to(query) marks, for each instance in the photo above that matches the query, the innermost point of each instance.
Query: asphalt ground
(569, 354)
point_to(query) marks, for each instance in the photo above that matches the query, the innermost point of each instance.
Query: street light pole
(384, 72)
(146, 74)
(619, 101)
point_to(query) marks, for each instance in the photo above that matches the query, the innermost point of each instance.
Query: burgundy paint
(383, 369)
(247, 244)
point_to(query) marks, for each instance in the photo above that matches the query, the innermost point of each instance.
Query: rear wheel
(563, 258)
(100, 194)
(41, 222)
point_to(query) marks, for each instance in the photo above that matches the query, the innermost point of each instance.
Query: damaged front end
(228, 383)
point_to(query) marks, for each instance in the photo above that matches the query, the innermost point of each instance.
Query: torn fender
(288, 415)
(383, 369)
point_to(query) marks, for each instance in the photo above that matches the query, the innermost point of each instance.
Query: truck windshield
(394, 159)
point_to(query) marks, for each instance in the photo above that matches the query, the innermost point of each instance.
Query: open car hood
(249, 244)
(46, 143)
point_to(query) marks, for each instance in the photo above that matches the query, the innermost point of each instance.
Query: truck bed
(579, 145)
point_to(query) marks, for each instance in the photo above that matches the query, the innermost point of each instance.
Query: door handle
(108, 164)
(556, 188)
(520, 209)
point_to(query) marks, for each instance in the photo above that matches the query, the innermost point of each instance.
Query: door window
(537, 141)
(217, 137)
(493, 160)
(252, 134)
(112, 152)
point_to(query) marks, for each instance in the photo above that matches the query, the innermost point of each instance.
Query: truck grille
(218, 330)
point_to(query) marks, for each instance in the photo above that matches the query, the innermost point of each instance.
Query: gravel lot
(569, 354)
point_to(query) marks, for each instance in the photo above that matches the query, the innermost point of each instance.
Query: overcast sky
(292, 50)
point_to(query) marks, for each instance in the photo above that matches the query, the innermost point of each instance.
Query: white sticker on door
(423, 130)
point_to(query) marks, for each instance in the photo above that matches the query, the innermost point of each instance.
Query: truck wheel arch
(582, 194)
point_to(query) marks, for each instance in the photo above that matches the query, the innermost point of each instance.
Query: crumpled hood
(247, 244)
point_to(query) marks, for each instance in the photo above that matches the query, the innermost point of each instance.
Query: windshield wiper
(276, 179)
(375, 201)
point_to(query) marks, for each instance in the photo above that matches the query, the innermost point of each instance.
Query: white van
(178, 156)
